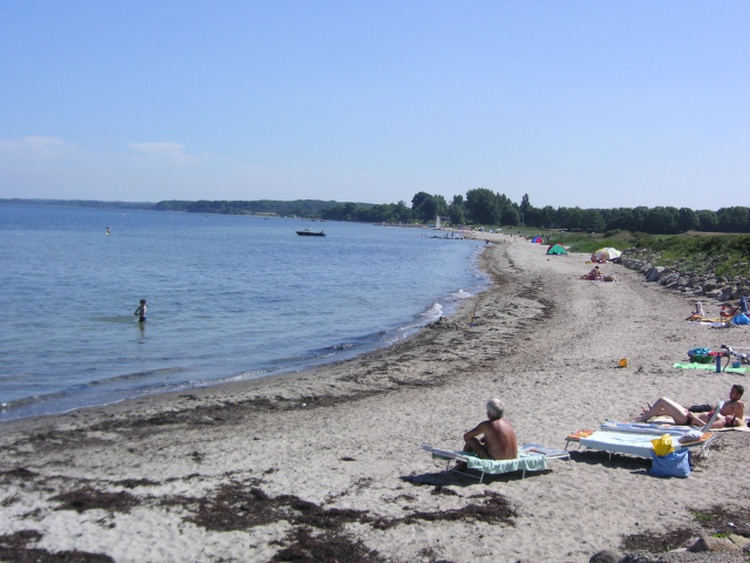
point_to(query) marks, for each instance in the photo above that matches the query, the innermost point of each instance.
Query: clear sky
(585, 103)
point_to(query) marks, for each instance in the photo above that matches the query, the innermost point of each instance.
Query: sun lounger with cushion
(634, 438)
(638, 444)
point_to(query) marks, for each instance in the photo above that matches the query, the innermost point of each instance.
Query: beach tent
(557, 248)
(537, 239)
(606, 253)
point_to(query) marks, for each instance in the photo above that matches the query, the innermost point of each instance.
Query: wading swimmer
(140, 312)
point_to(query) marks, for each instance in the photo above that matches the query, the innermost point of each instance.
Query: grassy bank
(725, 255)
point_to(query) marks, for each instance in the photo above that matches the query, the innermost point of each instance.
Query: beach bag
(674, 464)
(700, 355)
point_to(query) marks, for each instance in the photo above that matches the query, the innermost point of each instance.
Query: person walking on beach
(140, 312)
(732, 413)
(498, 438)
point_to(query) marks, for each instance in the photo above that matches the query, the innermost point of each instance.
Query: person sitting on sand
(699, 312)
(594, 274)
(732, 413)
(498, 439)
(728, 311)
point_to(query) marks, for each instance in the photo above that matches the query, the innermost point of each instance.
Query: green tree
(687, 220)
(511, 216)
(592, 221)
(707, 221)
(661, 221)
(426, 207)
(525, 207)
(734, 219)
(483, 207)
(457, 210)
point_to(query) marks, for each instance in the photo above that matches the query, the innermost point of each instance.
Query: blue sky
(576, 103)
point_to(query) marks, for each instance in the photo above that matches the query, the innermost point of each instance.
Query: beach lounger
(638, 445)
(634, 438)
(531, 457)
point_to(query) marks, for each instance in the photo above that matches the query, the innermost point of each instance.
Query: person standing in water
(140, 312)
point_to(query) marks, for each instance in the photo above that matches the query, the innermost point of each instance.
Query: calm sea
(229, 298)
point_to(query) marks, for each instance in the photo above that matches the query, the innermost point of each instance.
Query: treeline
(80, 203)
(300, 208)
(485, 207)
(480, 207)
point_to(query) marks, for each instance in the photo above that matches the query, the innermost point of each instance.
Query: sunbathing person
(498, 439)
(732, 413)
(699, 312)
(594, 274)
(728, 311)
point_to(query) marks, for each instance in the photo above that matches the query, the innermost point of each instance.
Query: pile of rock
(704, 284)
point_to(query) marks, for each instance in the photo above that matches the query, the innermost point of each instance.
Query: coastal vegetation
(725, 255)
(479, 208)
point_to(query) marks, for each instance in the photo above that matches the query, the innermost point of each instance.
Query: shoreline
(263, 391)
(61, 401)
(221, 472)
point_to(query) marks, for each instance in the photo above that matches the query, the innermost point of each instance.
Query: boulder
(655, 273)
(741, 541)
(604, 556)
(710, 543)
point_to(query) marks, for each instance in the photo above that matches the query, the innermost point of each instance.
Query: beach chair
(531, 457)
(634, 438)
(639, 445)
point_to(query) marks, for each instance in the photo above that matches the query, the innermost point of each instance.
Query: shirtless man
(140, 312)
(732, 413)
(499, 438)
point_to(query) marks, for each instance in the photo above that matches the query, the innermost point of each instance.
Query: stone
(655, 273)
(740, 541)
(712, 544)
(604, 556)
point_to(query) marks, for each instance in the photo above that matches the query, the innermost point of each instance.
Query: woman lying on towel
(732, 413)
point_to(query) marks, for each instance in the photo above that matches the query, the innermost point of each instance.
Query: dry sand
(326, 465)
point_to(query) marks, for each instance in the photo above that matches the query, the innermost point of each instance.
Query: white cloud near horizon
(38, 148)
(173, 151)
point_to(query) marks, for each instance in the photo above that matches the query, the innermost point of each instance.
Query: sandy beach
(326, 465)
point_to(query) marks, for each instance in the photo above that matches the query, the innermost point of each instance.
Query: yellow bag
(663, 445)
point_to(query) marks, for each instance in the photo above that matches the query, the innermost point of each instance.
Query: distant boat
(308, 233)
(438, 223)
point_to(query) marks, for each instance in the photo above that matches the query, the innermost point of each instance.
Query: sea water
(228, 297)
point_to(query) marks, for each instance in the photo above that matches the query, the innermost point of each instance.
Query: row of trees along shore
(482, 206)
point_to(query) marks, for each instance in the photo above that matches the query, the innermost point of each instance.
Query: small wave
(134, 376)
(17, 403)
(433, 313)
(460, 295)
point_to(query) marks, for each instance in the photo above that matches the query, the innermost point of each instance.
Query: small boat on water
(310, 233)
